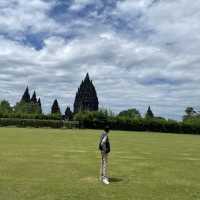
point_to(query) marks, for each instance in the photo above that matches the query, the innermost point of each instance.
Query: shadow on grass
(115, 180)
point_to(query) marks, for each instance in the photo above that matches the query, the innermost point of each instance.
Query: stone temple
(86, 97)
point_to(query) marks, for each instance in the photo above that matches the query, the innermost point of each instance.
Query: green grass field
(47, 164)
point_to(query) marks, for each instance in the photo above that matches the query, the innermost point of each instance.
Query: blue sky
(138, 52)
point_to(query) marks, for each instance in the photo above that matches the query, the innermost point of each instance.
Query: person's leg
(101, 167)
(106, 166)
(104, 169)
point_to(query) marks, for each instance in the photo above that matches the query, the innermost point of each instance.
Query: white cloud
(80, 4)
(19, 16)
(160, 67)
(132, 5)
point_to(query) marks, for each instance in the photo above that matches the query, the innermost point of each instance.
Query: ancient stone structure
(86, 98)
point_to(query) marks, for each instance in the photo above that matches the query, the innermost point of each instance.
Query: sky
(137, 52)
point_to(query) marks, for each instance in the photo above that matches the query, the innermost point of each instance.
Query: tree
(23, 108)
(26, 96)
(68, 114)
(34, 98)
(5, 107)
(149, 114)
(190, 111)
(55, 109)
(130, 113)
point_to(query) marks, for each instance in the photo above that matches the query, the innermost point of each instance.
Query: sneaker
(105, 181)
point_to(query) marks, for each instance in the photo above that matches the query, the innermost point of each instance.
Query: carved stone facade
(86, 97)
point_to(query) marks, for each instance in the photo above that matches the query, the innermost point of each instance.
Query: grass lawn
(47, 164)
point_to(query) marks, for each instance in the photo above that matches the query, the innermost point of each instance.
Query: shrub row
(30, 116)
(97, 121)
(38, 123)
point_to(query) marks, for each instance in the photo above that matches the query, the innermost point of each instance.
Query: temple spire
(86, 97)
(34, 98)
(87, 77)
(26, 96)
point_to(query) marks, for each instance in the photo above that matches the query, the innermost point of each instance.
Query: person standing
(104, 147)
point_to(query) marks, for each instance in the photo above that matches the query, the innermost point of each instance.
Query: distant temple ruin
(86, 97)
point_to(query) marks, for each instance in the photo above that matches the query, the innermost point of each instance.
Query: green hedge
(96, 120)
(38, 123)
(30, 116)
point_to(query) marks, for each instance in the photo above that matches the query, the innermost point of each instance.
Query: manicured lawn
(47, 164)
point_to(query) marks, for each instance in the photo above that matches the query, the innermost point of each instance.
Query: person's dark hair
(107, 129)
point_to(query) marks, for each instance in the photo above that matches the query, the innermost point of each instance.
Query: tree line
(131, 120)
(29, 110)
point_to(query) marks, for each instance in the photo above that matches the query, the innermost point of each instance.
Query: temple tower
(86, 97)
